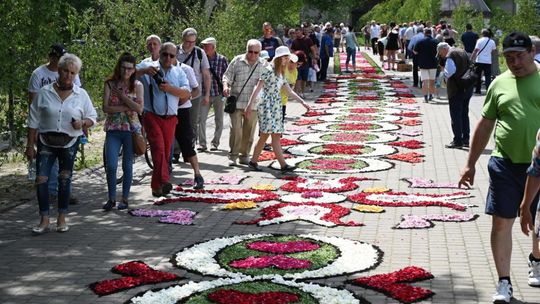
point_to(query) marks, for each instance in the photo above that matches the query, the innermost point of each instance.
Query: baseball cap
(517, 42)
(58, 50)
(209, 40)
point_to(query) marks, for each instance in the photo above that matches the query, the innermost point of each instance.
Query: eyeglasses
(168, 55)
(253, 52)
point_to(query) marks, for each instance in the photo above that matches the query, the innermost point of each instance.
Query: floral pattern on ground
(300, 184)
(327, 215)
(393, 284)
(411, 221)
(403, 199)
(217, 196)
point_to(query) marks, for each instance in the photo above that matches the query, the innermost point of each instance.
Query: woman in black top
(392, 46)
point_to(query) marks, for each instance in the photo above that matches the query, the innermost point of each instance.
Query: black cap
(517, 42)
(58, 50)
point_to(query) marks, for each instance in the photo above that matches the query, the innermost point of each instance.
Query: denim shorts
(506, 186)
(303, 72)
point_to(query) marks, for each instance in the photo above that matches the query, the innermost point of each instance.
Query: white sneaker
(534, 273)
(232, 163)
(503, 293)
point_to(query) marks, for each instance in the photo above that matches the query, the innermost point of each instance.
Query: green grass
(373, 64)
(337, 67)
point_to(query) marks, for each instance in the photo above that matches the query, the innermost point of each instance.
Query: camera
(159, 77)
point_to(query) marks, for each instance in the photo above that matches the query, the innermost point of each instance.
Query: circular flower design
(365, 150)
(350, 127)
(356, 137)
(331, 257)
(246, 291)
(325, 165)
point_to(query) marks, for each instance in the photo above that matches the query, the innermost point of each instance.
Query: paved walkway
(57, 268)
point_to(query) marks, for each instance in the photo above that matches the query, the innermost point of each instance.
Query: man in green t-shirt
(512, 107)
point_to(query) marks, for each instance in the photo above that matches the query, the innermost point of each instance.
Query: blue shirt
(326, 40)
(427, 53)
(270, 45)
(415, 40)
(163, 103)
(449, 68)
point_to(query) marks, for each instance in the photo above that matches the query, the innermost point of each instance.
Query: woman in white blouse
(58, 114)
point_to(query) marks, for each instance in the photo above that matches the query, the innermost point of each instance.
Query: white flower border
(172, 295)
(374, 164)
(382, 138)
(327, 198)
(385, 126)
(289, 216)
(379, 150)
(201, 257)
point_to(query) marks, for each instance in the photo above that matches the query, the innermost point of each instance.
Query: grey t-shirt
(194, 62)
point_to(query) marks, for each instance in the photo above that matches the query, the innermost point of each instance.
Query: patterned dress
(269, 107)
(122, 121)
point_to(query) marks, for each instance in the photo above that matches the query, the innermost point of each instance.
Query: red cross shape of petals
(392, 284)
(223, 296)
(135, 273)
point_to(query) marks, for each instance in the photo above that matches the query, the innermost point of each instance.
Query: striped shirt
(218, 65)
(236, 75)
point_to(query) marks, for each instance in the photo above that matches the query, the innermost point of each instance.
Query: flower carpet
(363, 122)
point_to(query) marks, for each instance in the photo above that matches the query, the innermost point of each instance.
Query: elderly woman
(58, 114)
(122, 101)
(269, 108)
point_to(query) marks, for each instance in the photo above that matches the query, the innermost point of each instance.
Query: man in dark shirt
(304, 44)
(469, 39)
(426, 52)
(268, 41)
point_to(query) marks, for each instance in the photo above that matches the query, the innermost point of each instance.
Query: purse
(230, 104)
(139, 142)
(56, 139)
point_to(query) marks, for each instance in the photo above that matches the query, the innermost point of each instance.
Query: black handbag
(470, 77)
(230, 104)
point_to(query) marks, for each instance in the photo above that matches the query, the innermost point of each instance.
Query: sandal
(254, 166)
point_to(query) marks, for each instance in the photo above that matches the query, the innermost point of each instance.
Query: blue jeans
(351, 52)
(53, 179)
(46, 157)
(113, 141)
(459, 116)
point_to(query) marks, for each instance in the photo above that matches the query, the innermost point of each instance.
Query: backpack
(199, 56)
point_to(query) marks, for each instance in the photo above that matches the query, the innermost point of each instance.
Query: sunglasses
(168, 55)
(254, 52)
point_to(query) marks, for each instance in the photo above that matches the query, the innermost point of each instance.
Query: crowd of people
(169, 94)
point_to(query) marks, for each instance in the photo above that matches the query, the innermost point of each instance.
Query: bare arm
(106, 96)
(480, 139)
(182, 93)
(254, 95)
(531, 189)
(292, 93)
(207, 84)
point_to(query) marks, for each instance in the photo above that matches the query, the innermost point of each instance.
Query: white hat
(264, 54)
(282, 51)
(209, 40)
(293, 58)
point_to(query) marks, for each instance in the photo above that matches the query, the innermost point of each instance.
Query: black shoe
(453, 145)
(201, 149)
(466, 144)
(267, 147)
(166, 188)
(123, 205)
(214, 149)
(176, 159)
(109, 205)
(288, 168)
(199, 182)
(430, 97)
(254, 166)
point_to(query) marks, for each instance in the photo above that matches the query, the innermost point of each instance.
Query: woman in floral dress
(269, 108)
(122, 102)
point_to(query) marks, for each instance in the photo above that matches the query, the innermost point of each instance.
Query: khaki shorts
(428, 74)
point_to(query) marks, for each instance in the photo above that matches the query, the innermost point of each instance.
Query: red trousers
(160, 134)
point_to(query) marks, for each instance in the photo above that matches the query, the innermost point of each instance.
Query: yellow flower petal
(368, 208)
(240, 205)
(376, 190)
(267, 187)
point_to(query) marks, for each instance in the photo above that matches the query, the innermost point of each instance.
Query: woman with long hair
(269, 107)
(122, 102)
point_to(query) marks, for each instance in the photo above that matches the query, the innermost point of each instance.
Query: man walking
(481, 55)
(417, 37)
(167, 86)
(268, 41)
(469, 39)
(218, 66)
(426, 52)
(195, 57)
(239, 80)
(457, 62)
(511, 108)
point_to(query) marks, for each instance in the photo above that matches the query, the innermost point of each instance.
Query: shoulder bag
(230, 104)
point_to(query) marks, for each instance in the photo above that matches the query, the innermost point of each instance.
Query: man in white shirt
(46, 74)
(409, 33)
(481, 56)
(375, 34)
